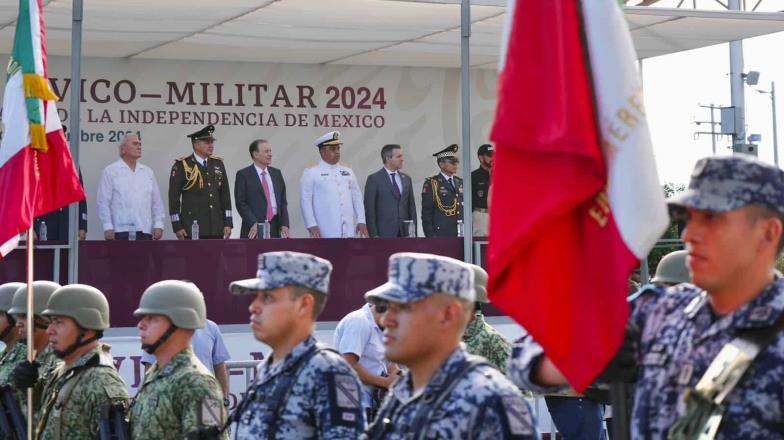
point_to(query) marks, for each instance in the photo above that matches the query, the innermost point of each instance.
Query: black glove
(623, 367)
(26, 374)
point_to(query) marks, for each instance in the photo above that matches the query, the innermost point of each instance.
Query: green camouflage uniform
(176, 400)
(82, 388)
(9, 360)
(483, 340)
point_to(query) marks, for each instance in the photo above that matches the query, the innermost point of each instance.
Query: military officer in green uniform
(87, 383)
(442, 197)
(13, 353)
(180, 398)
(199, 191)
(34, 374)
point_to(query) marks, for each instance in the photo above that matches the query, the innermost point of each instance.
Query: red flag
(558, 260)
(37, 173)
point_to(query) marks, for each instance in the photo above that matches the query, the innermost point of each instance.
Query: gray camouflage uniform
(325, 394)
(681, 335)
(475, 402)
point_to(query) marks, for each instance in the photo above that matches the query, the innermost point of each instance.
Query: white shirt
(129, 199)
(358, 333)
(330, 197)
(272, 201)
(398, 181)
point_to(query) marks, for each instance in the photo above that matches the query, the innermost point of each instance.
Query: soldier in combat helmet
(87, 383)
(180, 398)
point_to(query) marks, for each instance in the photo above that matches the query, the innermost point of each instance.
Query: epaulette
(180, 159)
(310, 167)
(216, 157)
(458, 177)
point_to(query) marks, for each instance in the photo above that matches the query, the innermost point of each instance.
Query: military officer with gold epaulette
(442, 196)
(200, 180)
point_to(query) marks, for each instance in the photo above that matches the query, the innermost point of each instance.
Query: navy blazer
(251, 203)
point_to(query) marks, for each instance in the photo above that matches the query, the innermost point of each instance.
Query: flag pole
(76, 93)
(29, 327)
(465, 104)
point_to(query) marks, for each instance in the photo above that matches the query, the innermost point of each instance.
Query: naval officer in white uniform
(330, 197)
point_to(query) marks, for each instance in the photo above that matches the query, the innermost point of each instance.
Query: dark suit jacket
(384, 210)
(435, 222)
(251, 203)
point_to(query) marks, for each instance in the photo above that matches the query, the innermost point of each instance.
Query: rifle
(113, 425)
(12, 422)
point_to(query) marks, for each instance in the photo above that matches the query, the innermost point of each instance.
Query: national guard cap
(480, 284)
(203, 134)
(485, 150)
(672, 269)
(280, 269)
(414, 277)
(331, 138)
(720, 184)
(181, 301)
(450, 151)
(7, 292)
(42, 290)
(84, 304)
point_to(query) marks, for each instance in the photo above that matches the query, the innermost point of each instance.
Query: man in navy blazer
(260, 193)
(389, 199)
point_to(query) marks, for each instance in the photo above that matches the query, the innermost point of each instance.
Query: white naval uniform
(329, 197)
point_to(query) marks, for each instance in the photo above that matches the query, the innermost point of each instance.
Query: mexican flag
(584, 203)
(37, 173)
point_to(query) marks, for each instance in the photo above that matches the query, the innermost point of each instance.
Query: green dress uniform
(75, 394)
(442, 206)
(177, 400)
(205, 196)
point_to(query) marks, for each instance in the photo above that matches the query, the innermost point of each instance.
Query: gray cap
(279, 269)
(7, 291)
(727, 183)
(672, 269)
(42, 290)
(480, 283)
(413, 277)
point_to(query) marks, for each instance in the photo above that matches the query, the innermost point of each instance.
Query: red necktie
(265, 185)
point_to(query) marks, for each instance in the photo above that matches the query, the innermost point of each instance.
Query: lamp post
(772, 93)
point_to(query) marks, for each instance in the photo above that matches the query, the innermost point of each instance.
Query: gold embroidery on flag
(38, 138)
(600, 210)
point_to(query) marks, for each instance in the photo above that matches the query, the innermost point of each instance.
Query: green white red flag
(37, 173)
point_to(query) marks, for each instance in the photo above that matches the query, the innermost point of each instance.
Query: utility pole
(737, 88)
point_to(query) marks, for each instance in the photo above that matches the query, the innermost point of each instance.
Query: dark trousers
(577, 418)
(139, 236)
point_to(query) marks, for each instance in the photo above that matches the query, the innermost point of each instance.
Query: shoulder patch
(518, 417)
(345, 397)
(211, 412)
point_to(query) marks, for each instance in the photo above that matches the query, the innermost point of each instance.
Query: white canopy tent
(418, 33)
(423, 33)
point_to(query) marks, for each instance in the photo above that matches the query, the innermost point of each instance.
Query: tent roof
(360, 32)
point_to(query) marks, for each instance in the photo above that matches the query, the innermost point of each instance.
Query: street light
(772, 93)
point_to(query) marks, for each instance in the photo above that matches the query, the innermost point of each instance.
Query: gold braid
(447, 210)
(192, 175)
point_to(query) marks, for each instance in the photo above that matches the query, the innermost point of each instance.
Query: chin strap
(78, 343)
(151, 348)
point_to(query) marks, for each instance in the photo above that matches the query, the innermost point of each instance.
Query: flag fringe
(36, 86)
(38, 138)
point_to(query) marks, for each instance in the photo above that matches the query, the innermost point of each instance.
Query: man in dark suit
(260, 193)
(442, 197)
(389, 199)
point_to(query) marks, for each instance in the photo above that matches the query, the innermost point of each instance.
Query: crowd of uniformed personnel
(331, 200)
(706, 357)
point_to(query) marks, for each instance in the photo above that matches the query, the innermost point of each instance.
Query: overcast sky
(676, 84)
